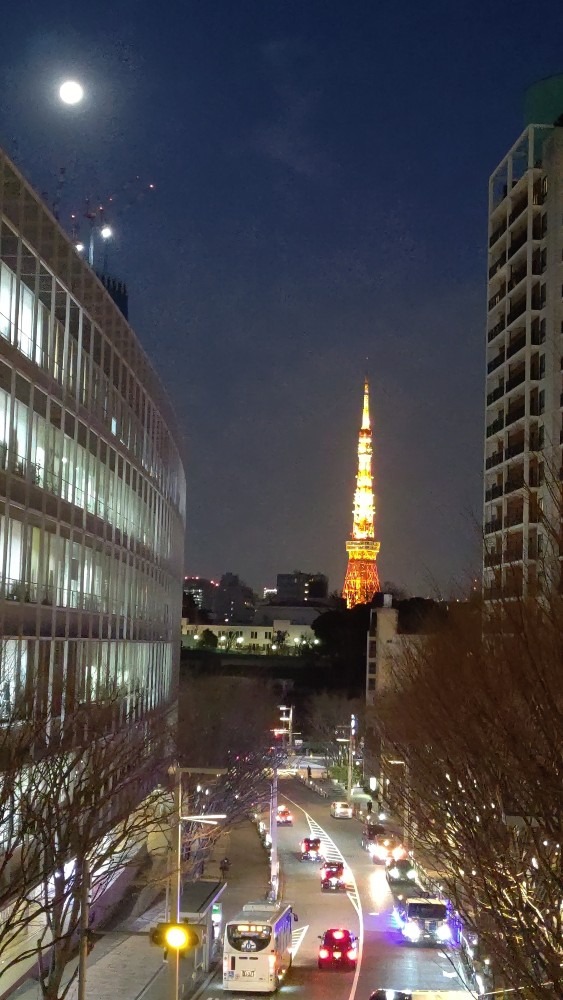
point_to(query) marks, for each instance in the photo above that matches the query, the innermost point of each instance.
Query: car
(428, 920)
(332, 876)
(390, 995)
(310, 849)
(284, 817)
(401, 872)
(370, 831)
(386, 848)
(338, 949)
(341, 810)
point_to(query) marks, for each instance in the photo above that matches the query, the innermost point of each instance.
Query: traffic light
(180, 938)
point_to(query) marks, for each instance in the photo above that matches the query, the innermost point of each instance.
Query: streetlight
(71, 92)
(351, 748)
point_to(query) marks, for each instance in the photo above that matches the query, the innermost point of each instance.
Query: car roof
(425, 899)
(340, 802)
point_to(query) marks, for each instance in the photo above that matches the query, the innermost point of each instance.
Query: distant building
(301, 614)
(269, 593)
(281, 636)
(202, 591)
(300, 588)
(234, 601)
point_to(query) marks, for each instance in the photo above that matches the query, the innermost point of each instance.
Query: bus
(257, 947)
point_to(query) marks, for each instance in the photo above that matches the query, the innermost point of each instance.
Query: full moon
(71, 92)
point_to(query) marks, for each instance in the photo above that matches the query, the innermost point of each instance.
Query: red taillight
(352, 953)
(324, 952)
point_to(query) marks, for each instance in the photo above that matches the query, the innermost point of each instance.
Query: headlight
(394, 872)
(372, 848)
(443, 933)
(411, 873)
(411, 931)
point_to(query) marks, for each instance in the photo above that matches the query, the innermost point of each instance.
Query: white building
(524, 348)
(282, 636)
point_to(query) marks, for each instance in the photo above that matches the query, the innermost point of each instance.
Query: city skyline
(320, 195)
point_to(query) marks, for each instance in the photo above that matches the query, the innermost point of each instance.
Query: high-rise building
(201, 590)
(299, 588)
(234, 601)
(524, 400)
(362, 579)
(92, 492)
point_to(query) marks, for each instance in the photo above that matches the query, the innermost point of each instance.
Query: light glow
(443, 933)
(71, 92)
(411, 931)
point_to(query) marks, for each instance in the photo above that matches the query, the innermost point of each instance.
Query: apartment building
(524, 400)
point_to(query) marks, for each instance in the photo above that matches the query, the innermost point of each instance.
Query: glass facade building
(92, 488)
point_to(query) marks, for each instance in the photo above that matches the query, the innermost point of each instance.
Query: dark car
(338, 949)
(370, 832)
(402, 872)
(332, 876)
(311, 849)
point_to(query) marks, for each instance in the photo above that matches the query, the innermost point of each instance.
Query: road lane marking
(333, 854)
(297, 940)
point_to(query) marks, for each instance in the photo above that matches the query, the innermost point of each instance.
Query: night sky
(321, 177)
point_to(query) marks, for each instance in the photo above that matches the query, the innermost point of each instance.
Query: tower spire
(362, 579)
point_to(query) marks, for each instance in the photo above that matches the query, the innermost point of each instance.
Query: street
(384, 960)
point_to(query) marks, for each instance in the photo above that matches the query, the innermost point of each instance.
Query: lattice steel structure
(362, 579)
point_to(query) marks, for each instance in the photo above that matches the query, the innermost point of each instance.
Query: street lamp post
(274, 864)
(351, 751)
(176, 873)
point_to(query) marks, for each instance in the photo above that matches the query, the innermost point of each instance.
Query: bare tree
(475, 715)
(329, 721)
(80, 805)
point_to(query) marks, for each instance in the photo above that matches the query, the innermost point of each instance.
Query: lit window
(113, 425)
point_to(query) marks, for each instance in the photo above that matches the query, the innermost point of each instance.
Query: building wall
(522, 459)
(92, 489)
(251, 638)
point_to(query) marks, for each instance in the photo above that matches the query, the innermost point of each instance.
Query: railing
(516, 345)
(514, 449)
(494, 459)
(497, 425)
(493, 493)
(516, 244)
(514, 483)
(31, 592)
(497, 233)
(495, 394)
(517, 277)
(497, 298)
(516, 312)
(496, 266)
(496, 362)
(515, 380)
(493, 558)
(513, 518)
(515, 414)
(518, 209)
(494, 525)
(497, 328)
(513, 555)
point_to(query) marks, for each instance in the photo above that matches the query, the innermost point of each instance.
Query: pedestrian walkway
(125, 966)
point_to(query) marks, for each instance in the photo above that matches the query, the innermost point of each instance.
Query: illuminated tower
(362, 580)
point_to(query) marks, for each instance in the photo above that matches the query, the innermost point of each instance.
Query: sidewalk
(125, 966)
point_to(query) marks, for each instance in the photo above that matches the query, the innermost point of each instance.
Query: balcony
(514, 449)
(514, 482)
(497, 233)
(497, 393)
(495, 459)
(497, 298)
(516, 244)
(517, 311)
(517, 277)
(493, 558)
(496, 426)
(497, 328)
(496, 362)
(515, 380)
(514, 414)
(516, 345)
(518, 209)
(493, 493)
(496, 266)
(514, 517)
(513, 554)
(494, 525)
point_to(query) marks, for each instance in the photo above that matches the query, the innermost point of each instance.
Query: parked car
(341, 810)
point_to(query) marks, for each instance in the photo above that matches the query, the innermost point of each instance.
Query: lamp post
(176, 840)
(351, 750)
(274, 864)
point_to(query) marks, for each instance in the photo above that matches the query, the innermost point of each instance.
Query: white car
(341, 810)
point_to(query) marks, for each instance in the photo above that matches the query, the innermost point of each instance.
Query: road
(366, 909)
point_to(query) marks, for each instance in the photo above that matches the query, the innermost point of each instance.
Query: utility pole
(351, 753)
(274, 864)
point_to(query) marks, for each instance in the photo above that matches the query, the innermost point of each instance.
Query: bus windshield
(427, 911)
(249, 937)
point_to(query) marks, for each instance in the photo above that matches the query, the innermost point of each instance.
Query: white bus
(257, 948)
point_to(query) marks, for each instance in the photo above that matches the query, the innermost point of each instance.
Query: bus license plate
(248, 975)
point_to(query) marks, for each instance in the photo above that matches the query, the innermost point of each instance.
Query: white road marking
(297, 939)
(332, 853)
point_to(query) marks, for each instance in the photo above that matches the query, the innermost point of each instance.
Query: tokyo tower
(362, 579)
